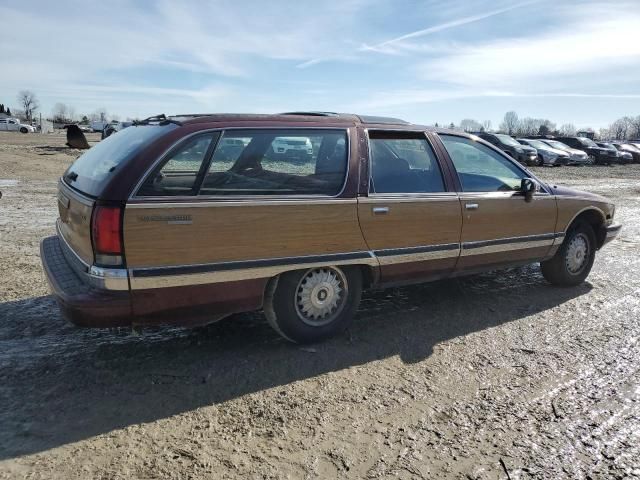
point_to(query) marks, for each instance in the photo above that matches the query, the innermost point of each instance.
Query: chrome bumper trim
(613, 230)
(108, 278)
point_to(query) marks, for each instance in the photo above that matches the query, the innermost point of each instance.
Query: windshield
(586, 142)
(556, 144)
(630, 147)
(90, 172)
(536, 144)
(507, 140)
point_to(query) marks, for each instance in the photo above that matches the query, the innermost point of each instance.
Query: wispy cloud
(387, 46)
(589, 44)
(395, 45)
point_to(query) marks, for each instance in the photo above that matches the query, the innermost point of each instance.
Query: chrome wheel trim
(321, 296)
(577, 254)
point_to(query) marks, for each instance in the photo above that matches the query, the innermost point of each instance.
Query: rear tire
(23, 130)
(572, 263)
(306, 306)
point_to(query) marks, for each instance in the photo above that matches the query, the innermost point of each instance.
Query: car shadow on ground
(60, 384)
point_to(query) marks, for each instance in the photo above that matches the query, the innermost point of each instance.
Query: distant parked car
(14, 125)
(576, 157)
(293, 147)
(547, 155)
(523, 154)
(98, 126)
(624, 157)
(599, 155)
(114, 127)
(629, 148)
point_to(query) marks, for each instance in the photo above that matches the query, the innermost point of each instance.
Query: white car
(293, 146)
(576, 157)
(14, 125)
(547, 155)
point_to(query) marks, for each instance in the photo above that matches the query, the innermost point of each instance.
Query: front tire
(572, 263)
(306, 306)
(23, 130)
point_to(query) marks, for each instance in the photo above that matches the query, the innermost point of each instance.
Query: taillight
(107, 235)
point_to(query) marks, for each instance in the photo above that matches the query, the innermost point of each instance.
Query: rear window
(90, 173)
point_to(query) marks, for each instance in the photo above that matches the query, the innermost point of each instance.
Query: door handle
(471, 206)
(380, 210)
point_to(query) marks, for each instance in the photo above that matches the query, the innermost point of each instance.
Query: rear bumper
(80, 302)
(611, 232)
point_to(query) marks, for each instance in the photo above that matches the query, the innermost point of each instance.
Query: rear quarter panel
(74, 222)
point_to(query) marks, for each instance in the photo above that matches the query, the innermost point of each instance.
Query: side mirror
(529, 187)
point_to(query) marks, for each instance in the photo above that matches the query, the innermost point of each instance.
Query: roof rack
(382, 120)
(312, 114)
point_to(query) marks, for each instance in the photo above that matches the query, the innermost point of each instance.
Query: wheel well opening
(596, 221)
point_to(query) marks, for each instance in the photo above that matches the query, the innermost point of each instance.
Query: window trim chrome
(246, 198)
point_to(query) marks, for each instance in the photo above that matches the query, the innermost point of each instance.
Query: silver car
(547, 155)
(576, 157)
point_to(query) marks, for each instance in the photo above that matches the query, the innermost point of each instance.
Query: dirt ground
(494, 376)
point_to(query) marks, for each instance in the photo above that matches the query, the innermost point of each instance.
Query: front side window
(278, 162)
(479, 168)
(403, 165)
(178, 174)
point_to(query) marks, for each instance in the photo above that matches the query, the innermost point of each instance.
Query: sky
(424, 61)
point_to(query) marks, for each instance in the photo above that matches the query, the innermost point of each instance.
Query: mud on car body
(188, 219)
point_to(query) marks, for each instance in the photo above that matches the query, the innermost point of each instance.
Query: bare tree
(510, 123)
(60, 112)
(486, 124)
(568, 129)
(604, 134)
(29, 103)
(634, 132)
(99, 115)
(624, 128)
(470, 125)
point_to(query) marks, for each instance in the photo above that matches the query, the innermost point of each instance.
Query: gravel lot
(494, 376)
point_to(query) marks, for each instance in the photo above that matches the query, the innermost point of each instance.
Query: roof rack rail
(312, 114)
(162, 119)
(382, 120)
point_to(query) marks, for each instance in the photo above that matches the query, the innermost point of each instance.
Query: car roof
(304, 118)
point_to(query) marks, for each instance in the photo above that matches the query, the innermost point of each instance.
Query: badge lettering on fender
(170, 219)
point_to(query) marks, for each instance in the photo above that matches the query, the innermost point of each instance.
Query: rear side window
(178, 175)
(278, 162)
(90, 173)
(403, 165)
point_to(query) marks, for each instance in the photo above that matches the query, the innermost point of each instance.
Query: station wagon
(185, 220)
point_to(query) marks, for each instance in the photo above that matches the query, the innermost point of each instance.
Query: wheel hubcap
(577, 254)
(320, 296)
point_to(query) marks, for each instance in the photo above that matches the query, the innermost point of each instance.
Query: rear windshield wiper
(72, 176)
(162, 119)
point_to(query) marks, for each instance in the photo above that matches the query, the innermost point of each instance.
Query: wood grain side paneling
(419, 222)
(507, 217)
(218, 233)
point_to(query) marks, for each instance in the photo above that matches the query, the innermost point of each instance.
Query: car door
(498, 226)
(411, 217)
